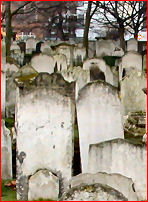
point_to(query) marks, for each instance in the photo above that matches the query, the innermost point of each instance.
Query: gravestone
(99, 117)
(61, 62)
(108, 48)
(132, 45)
(43, 185)
(123, 157)
(93, 192)
(67, 50)
(43, 63)
(133, 98)
(30, 45)
(45, 115)
(119, 182)
(46, 49)
(102, 66)
(6, 152)
(129, 62)
(79, 54)
(10, 89)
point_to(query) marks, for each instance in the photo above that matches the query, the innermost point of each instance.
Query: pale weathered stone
(43, 63)
(79, 54)
(108, 48)
(45, 48)
(133, 98)
(102, 66)
(132, 45)
(119, 182)
(45, 115)
(99, 117)
(43, 185)
(61, 62)
(6, 152)
(30, 45)
(93, 192)
(129, 62)
(120, 156)
(145, 62)
(14, 46)
(67, 50)
(3, 93)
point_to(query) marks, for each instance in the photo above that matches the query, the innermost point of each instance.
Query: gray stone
(132, 45)
(99, 116)
(6, 152)
(43, 185)
(133, 98)
(120, 156)
(45, 115)
(93, 192)
(43, 63)
(119, 182)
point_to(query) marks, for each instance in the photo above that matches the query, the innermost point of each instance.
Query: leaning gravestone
(43, 63)
(123, 157)
(45, 115)
(119, 182)
(93, 192)
(61, 62)
(99, 117)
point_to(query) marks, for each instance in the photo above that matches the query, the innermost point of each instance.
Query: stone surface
(30, 45)
(102, 66)
(133, 98)
(61, 62)
(108, 48)
(6, 152)
(3, 93)
(79, 54)
(43, 185)
(43, 63)
(129, 62)
(120, 156)
(10, 89)
(67, 50)
(93, 192)
(132, 45)
(45, 115)
(119, 182)
(99, 116)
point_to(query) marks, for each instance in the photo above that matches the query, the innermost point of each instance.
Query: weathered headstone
(119, 182)
(67, 50)
(61, 62)
(133, 98)
(43, 63)
(79, 54)
(108, 48)
(45, 115)
(10, 89)
(93, 192)
(132, 45)
(30, 45)
(99, 117)
(43, 185)
(129, 62)
(102, 66)
(120, 156)
(6, 152)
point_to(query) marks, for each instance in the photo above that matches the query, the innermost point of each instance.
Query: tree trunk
(87, 25)
(121, 36)
(136, 33)
(8, 27)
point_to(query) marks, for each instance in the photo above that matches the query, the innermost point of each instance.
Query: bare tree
(122, 15)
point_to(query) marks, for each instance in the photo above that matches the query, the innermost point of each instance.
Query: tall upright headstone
(99, 116)
(45, 119)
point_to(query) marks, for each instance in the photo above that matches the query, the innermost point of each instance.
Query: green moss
(7, 193)
(9, 122)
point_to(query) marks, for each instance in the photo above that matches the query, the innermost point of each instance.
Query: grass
(7, 193)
